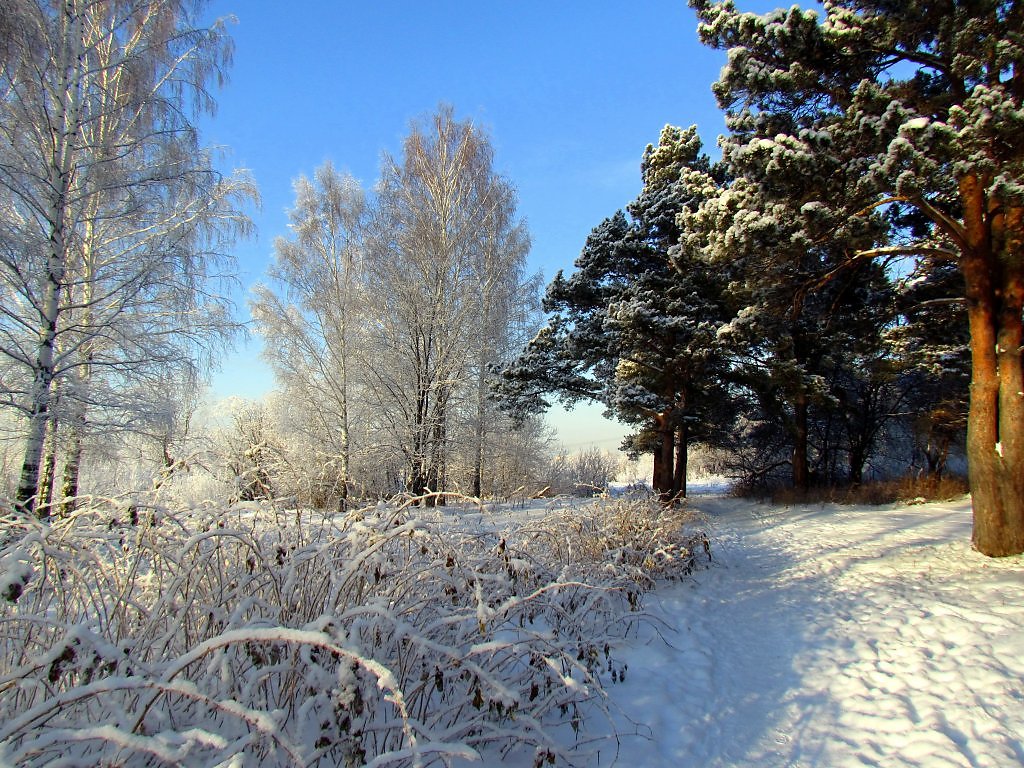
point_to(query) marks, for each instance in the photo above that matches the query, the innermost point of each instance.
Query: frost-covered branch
(385, 637)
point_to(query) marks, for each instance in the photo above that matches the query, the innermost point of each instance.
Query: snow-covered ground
(831, 636)
(820, 636)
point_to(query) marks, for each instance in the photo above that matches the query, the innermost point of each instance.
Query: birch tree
(312, 314)
(446, 245)
(116, 222)
(507, 308)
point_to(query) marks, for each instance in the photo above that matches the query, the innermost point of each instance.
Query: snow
(820, 636)
(15, 573)
(832, 636)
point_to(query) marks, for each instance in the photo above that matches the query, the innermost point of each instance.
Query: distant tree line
(821, 301)
(260, 453)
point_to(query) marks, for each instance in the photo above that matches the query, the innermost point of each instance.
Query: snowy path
(832, 637)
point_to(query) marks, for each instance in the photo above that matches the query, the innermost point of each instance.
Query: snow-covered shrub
(639, 540)
(135, 634)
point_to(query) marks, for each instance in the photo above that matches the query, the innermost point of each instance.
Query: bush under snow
(134, 634)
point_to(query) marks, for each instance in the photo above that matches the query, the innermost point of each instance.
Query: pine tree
(634, 327)
(924, 102)
(864, 390)
(795, 292)
(933, 347)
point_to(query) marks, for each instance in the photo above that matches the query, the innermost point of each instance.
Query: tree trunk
(346, 449)
(72, 469)
(83, 375)
(431, 487)
(801, 478)
(47, 476)
(343, 495)
(679, 477)
(438, 474)
(993, 272)
(345, 457)
(477, 474)
(42, 386)
(858, 456)
(64, 129)
(663, 471)
(417, 479)
(936, 456)
(856, 470)
(478, 446)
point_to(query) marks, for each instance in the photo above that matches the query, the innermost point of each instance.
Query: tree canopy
(635, 326)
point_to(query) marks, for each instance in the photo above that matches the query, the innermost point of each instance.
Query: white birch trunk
(64, 132)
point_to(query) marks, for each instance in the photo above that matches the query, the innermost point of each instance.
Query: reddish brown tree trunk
(992, 264)
(663, 475)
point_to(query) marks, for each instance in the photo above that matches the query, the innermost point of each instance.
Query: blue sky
(570, 92)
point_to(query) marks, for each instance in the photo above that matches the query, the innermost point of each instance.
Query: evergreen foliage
(917, 106)
(803, 301)
(635, 327)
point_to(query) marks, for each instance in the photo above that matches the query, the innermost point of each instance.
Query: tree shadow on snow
(754, 671)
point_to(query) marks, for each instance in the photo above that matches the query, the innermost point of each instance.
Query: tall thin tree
(445, 227)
